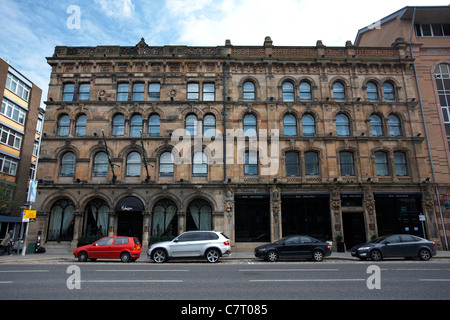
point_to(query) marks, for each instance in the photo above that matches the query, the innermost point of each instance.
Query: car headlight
(363, 248)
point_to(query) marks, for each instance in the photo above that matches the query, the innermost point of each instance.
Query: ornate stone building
(255, 141)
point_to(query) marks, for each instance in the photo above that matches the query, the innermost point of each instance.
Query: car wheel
(159, 256)
(83, 256)
(212, 255)
(125, 257)
(318, 255)
(424, 254)
(272, 256)
(376, 255)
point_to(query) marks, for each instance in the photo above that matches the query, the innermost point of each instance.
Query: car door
(118, 247)
(199, 244)
(409, 246)
(290, 247)
(305, 247)
(392, 246)
(101, 248)
(181, 246)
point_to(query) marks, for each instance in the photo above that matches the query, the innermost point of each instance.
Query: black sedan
(294, 246)
(394, 246)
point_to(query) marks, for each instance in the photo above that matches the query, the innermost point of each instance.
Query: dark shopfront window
(398, 213)
(252, 218)
(306, 214)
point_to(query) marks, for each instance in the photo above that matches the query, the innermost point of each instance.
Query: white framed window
(17, 86)
(8, 165)
(10, 137)
(13, 111)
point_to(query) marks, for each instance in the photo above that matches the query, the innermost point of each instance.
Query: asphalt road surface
(228, 281)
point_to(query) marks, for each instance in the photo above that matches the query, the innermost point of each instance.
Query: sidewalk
(49, 257)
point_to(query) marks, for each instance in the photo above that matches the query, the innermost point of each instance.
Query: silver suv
(209, 244)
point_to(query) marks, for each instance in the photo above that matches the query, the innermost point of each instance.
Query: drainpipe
(425, 126)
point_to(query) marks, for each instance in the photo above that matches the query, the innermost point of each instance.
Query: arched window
(200, 165)
(292, 164)
(305, 91)
(388, 91)
(290, 125)
(60, 227)
(67, 168)
(250, 125)
(96, 219)
(376, 125)
(381, 163)
(100, 167)
(338, 91)
(136, 125)
(288, 91)
(80, 126)
(63, 126)
(118, 125)
(249, 91)
(372, 91)
(209, 126)
(395, 128)
(342, 125)
(191, 125)
(133, 164)
(347, 164)
(164, 218)
(199, 215)
(308, 125)
(153, 125)
(166, 164)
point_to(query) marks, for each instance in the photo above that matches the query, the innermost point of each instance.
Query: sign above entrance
(129, 204)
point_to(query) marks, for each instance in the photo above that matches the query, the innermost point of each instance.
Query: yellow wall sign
(29, 214)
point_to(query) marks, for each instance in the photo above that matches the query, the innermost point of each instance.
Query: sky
(32, 28)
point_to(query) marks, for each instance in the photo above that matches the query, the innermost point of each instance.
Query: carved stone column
(369, 213)
(229, 214)
(275, 214)
(336, 213)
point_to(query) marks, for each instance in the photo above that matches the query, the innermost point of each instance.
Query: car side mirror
(175, 240)
(94, 245)
(386, 242)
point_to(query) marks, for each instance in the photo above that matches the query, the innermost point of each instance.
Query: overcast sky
(32, 28)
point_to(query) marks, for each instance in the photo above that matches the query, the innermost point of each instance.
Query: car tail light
(137, 247)
(433, 243)
(227, 243)
(329, 246)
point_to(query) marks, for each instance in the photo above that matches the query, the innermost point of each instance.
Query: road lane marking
(284, 270)
(130, 281)
(23, 271)
(5, 282)
(115, 270)
(307, 280)
(435, 280)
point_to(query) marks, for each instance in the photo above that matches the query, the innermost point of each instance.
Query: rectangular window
(347, 164)
(13, 111)
(208, 92)
(68, 92)
(138, 91)
(83, 92)
(154, 92)
(311, 164)
(192, 91)
(381, 164)
(401, 168)
(292, 164)
(251, 164)
(18, 87)
(10, 138)
(8, 165)
(122, 92)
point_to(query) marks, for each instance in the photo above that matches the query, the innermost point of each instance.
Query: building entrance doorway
(130, 224)
(129, 217)
(354, 229)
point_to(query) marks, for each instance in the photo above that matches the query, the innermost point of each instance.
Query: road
(228, 281)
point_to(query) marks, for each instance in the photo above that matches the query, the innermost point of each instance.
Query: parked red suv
(124, 248)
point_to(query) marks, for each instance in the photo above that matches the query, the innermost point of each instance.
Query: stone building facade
(255, 141)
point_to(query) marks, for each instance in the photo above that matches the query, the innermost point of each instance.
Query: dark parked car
(394, 246)
(294, 246)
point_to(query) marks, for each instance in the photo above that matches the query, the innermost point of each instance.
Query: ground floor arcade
(248, 214)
